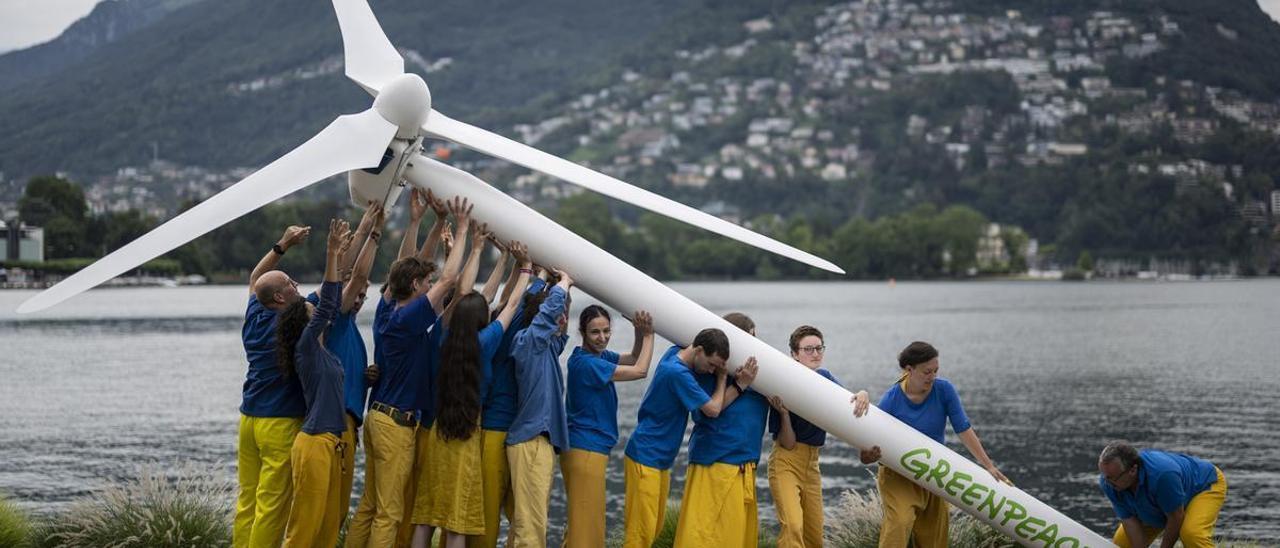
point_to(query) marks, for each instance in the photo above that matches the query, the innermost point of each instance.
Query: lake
(1048, 372)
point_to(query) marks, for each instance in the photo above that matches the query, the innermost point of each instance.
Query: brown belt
(402, 418)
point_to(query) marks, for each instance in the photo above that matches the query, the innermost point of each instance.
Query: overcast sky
(29, 22)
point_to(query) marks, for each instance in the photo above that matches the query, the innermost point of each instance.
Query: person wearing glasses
(795, 480)
(925, 402)
(1154, 492)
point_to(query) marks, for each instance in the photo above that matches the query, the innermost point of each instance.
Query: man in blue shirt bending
(1155, 492)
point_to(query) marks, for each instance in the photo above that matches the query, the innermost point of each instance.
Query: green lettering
(1023, 530)
(1048, 535)
(1075, 543)
(972, 494)
(940, 471)
(1014, 513)
(918, 468)
(956, 482)
(994, 509)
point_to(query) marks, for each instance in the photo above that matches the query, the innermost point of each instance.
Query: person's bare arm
(428, 251)
(1137, 535)
(521, 254)
(971, 441)
(416, 210)
(467, 280)
(453, 264)
(638, 364)
(786, 434)
(713, 407)
(364, 260)
(362, 232)
(739, 383)
(293, 235)
(509, 285)
(490, 289)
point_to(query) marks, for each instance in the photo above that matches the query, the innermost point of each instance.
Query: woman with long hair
(591, 402)
(452, 497)
(926, 402)
(317, 454)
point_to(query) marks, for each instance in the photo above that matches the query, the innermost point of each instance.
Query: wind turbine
(381, 149)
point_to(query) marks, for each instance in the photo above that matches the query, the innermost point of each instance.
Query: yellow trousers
(362, 521)
(1201, 515)
(392, 448)
(719, 507)
(415, 489)
(645, 505)
(317, 510)
(910, 511)
(584, 486)
(796, 484)
(496, 476)
(265, 474)
(533, 465)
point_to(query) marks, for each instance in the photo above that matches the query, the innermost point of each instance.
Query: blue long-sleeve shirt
(536, 349)
(319, 371)
(500, 392)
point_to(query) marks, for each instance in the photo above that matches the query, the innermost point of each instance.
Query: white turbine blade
(353, 141)
(501, 147)
(370, 58)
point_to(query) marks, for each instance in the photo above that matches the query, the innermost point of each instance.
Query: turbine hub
(405, 102)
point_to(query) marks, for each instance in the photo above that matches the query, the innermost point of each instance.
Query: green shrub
(15, 525)
(189, 508)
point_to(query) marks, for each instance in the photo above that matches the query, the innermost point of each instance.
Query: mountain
(238, 82)
(109, 21)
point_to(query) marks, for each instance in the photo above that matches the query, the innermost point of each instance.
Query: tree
(57, 205)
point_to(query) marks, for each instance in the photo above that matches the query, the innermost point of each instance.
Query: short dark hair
(1119, 451)
(713, 342)
(740, 321)
(404, 272)
(916, 353)
(800, 333)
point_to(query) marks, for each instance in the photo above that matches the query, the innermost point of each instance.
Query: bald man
(272, 407)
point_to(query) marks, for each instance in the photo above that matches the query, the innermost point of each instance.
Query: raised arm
(716, 404)
(364, 259)
(293, 235)
(362, 232)
(428, 251)
(523, 265)
(490, 288)
(635, 365)
(335, 252)
(509, 286)
(416, 210)
(449, 274)
(467, 280)
(729, 389)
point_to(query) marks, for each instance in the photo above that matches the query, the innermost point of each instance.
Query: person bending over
(1156, 493)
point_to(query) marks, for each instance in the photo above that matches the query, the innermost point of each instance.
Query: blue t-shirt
(266, 392)
(540, 405)
(346, 342)
(1166, 482)
(664, 412)
(500, 394)
(806, 432)
(929, 416)
(733, 437)
(319, 371)
(403, 380)
(592, 401)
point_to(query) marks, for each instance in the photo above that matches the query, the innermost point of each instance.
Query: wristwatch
(276, 248)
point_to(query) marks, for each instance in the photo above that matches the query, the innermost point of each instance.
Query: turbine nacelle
(404, 101)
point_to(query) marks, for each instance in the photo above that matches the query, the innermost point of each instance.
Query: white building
(21, 242)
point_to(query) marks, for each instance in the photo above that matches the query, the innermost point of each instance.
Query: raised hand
(479, 233)
(340, 237)
(417, 205)
(776, 403)
(460, 208)
(747, 373)
(437, 205)
(446, 237)
(565, 279)
(643, 322)
(520, 252)
(294, 235)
